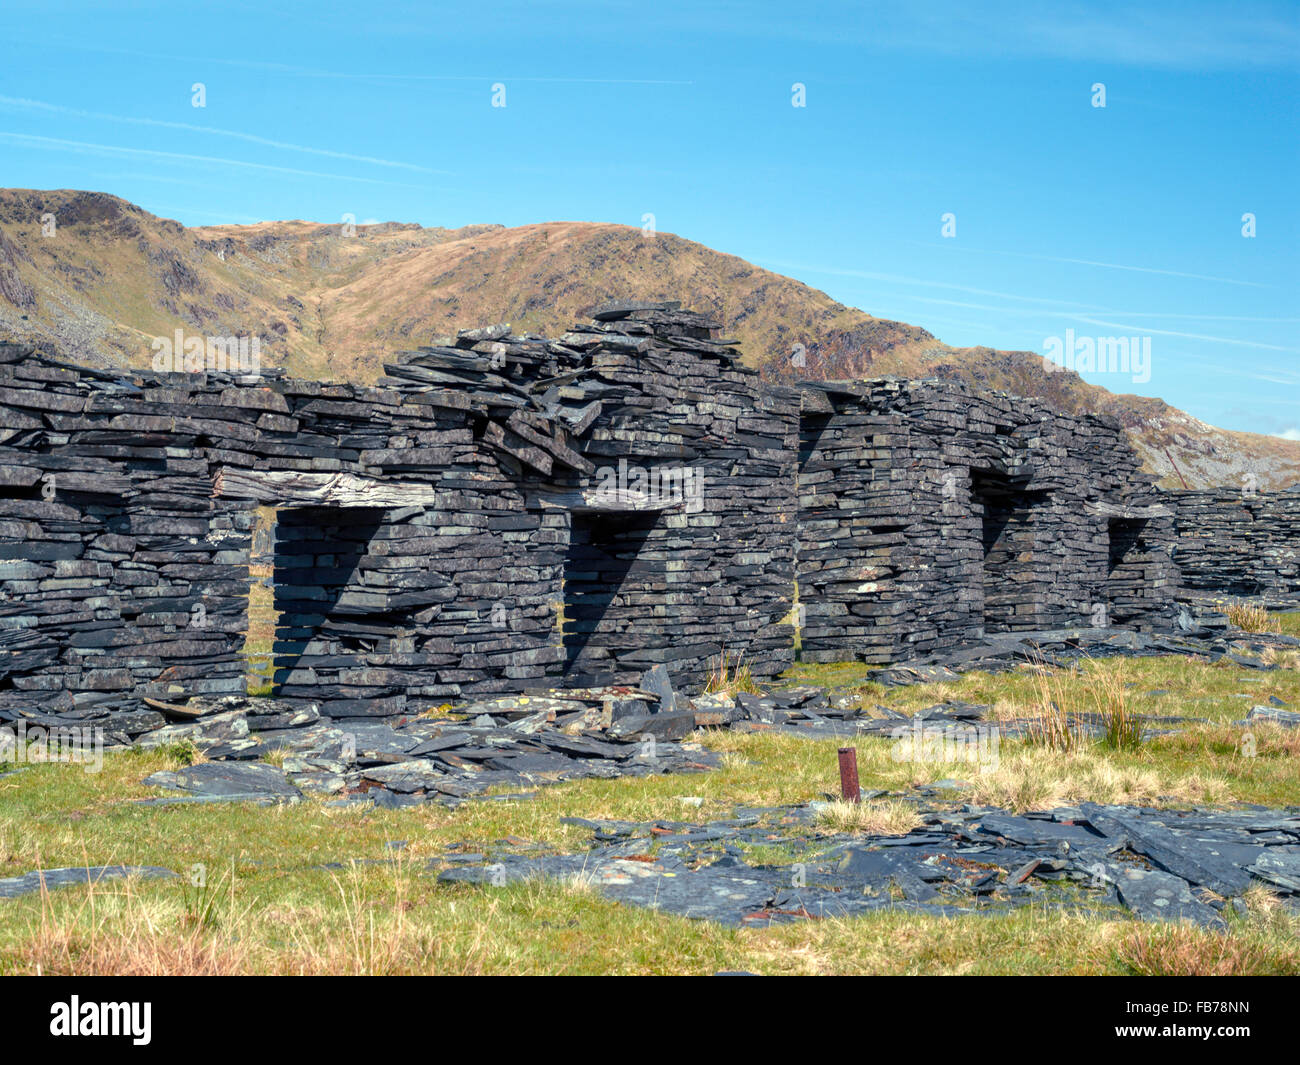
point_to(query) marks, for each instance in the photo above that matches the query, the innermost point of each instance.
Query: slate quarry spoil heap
(503, 514)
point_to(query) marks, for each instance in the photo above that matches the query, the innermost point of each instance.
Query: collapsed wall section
(670, 469)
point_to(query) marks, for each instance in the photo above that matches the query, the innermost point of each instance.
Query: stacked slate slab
(931, 515)
(449, 533)
(1239, 542)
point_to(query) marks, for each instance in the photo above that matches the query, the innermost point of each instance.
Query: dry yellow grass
(1182, 950)
(1035, 778)
(882, 818)
(1282, 658)
(1099, 693)
(391, 922)
(730, 675)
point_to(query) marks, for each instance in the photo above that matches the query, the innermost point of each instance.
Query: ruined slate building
(931, 515)
(503, 513)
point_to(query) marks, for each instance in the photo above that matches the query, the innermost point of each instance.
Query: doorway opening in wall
(1125, 574)
(812, 427)
(1013, 586)
(321, 605)
(262, 616)
(609, 579)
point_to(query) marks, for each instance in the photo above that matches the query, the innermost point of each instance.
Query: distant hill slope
(113, 276)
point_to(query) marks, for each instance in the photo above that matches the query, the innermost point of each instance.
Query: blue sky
(1117, 221)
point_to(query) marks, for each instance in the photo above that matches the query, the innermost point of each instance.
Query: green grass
(1194, 688)
(829, 674)
(264, 905)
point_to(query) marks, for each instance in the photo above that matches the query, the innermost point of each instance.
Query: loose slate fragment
(49, 879)
(1158, 896)
(230, 782)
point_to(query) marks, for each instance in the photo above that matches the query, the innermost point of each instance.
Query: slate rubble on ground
(1157, 864)
(510, 742)
(520, 742)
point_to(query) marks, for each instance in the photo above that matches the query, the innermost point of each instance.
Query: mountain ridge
(328, 302)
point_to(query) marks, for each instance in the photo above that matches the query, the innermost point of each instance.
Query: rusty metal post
(849, 775)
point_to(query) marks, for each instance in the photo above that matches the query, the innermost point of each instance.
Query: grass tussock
(1066, 703)
(881, 818)
(731, 675)
(1035, 778)
(1251, 617)
(1281, 657)
(1182, 951)
(276, 756)
(1264, 943)
(117, 930)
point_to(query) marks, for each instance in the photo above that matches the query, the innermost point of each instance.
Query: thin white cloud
(1145, 329)
(1097, 264)
(1203, 317)
(18, 103)
(1153, 270)
(1074, 312)
(898, 279)
(290, 70)
(218, 218)
(1189, 36)
(31, 140)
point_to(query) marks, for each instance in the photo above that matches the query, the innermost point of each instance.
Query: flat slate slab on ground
(49, 879)
(229, 781)
(1153, 864)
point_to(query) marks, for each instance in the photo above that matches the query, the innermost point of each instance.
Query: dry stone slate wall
(931, 515)
(1239, 542)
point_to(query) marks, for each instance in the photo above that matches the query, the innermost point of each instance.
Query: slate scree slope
(503, 513)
